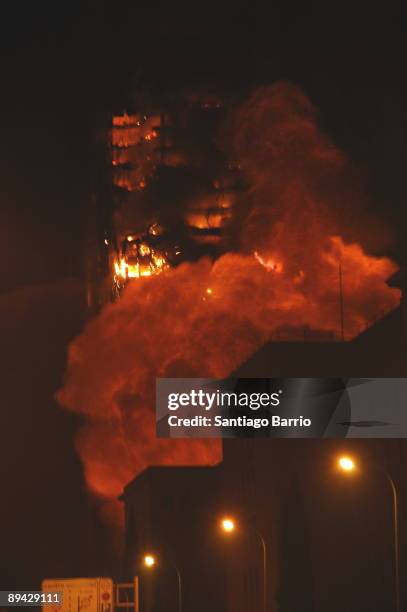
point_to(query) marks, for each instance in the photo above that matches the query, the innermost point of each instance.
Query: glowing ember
(270, 264)
(125, 120)
(145, 249)
(148, 263)
(150, 136)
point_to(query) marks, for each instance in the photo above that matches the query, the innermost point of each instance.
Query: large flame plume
(295, 229)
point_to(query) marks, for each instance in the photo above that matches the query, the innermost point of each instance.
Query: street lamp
(150, 561)
(228, 526)
(348, 464)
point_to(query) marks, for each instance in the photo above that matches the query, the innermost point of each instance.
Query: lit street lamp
(228, 526)
(348, 464)
(150, 561)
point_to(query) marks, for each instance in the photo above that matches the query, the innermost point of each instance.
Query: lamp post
(150, 561)
(348, 464)
(228, 525)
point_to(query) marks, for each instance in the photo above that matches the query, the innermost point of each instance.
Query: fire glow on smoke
(204, 319)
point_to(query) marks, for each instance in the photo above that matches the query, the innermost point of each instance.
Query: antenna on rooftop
(341, 302)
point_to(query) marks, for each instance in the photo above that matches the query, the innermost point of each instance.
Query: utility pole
(341, 302)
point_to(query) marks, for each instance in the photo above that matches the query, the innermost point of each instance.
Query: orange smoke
(170, 325)
(296, 226)
(302, 188)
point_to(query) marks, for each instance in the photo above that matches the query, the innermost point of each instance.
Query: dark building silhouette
(169, 512)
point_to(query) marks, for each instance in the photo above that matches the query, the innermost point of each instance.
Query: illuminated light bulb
(149, 560)
(346, 464)
(228, 525)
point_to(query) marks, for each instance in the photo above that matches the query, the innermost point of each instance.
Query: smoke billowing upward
(302, 188)
(294, 227)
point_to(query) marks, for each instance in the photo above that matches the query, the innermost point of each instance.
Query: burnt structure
(329, 541)
(168, 173)
(159, 165)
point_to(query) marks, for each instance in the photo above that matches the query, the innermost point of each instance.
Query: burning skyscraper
(174, 188)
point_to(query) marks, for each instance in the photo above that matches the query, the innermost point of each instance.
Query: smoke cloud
(295, 227)
(301, 186)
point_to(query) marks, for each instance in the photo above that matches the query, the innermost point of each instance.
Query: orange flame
(165, 328)
(203, 319)
(272, 265)
(151, 264)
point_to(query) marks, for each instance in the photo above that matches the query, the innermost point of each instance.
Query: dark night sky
(64, 62)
